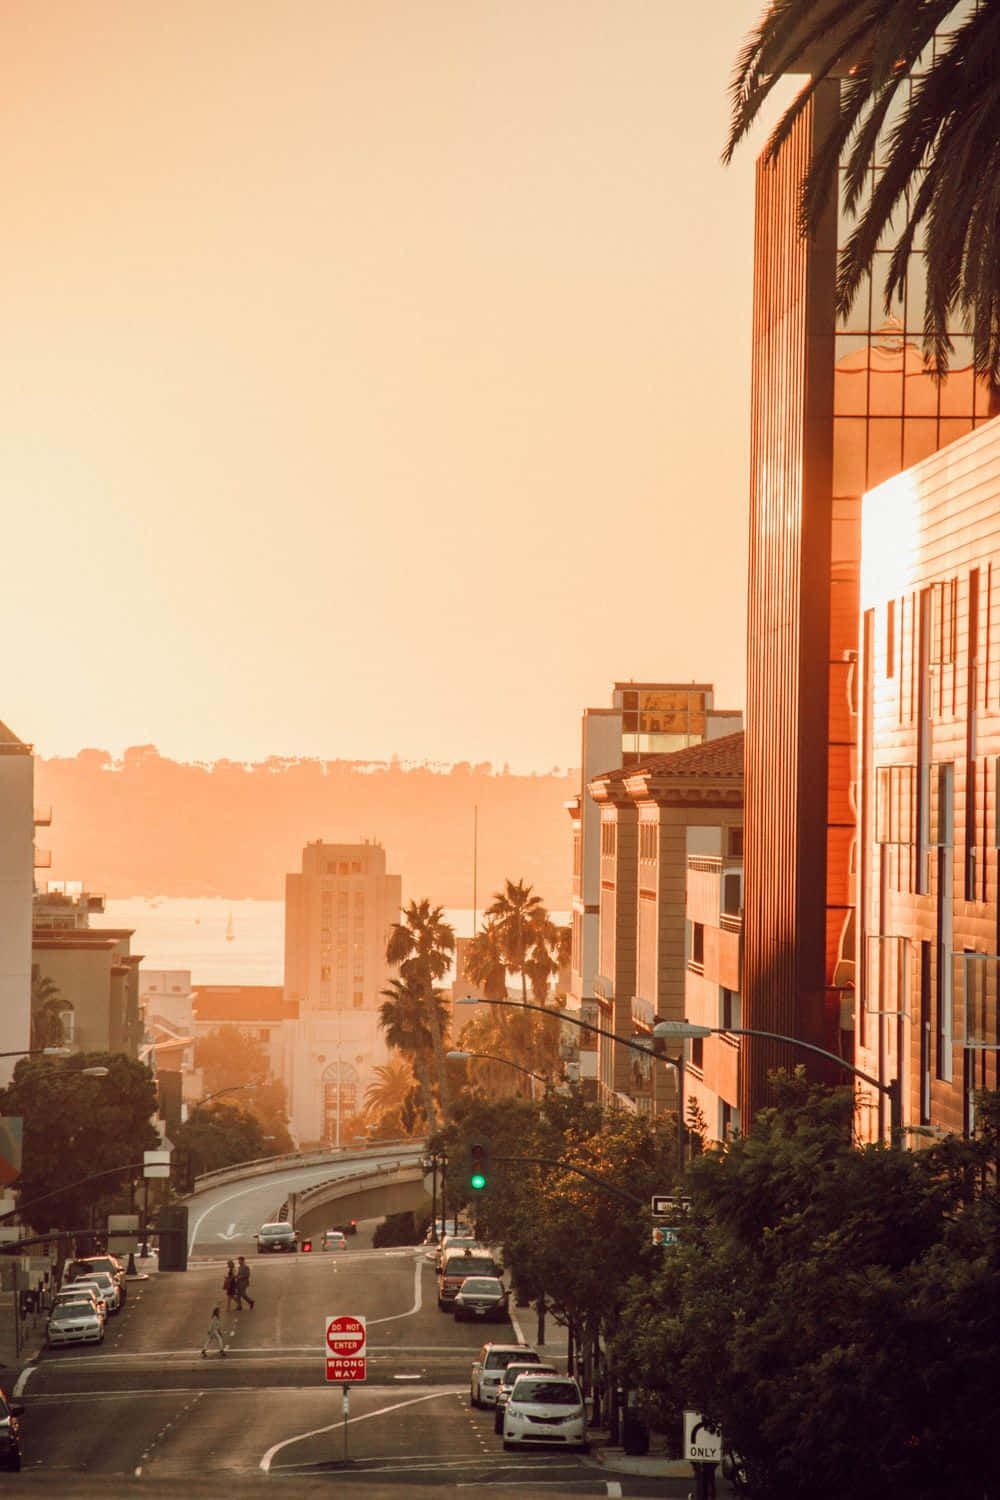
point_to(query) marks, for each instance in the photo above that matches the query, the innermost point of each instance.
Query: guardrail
(264, 1165)
(317, 1191)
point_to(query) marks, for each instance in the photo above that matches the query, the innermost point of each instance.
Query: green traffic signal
(479, 1164)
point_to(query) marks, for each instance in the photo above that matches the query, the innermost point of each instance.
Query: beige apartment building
(671, 861)
(338, 912)
(645, 719)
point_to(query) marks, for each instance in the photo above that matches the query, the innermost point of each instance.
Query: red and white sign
(346, 1349)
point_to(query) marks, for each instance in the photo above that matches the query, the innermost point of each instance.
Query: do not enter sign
(346, 1338)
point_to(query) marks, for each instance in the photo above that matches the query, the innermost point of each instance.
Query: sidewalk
(653, 1465)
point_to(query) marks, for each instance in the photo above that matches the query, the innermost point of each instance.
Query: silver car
(75, 1323)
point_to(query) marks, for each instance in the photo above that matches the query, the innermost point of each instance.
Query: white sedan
(75, 1323)
(543, 1410)
(106, 1285)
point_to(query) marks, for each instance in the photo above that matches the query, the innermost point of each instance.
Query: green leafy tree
(83, 1137)
(216, 1135)
(229, 1059)
(422, 946)
(48, 1006)
(835, 1309)
(936, 144)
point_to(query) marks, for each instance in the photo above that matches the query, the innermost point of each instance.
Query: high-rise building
(838, 405)
(338, 912)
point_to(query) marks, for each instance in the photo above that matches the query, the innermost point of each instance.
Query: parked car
(455, 1242)
(514, 1369)
(481, 1297)
(75, 1323)
(84, 1291)
(87, 1263)
(333, 1239)
(276, 1236)
(10, 1432)
(106, 1285)
(543, 1409)
(487, 1372)
(457, 1265)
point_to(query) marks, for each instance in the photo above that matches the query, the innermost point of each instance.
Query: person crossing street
(214, 1331)
(243, 1284)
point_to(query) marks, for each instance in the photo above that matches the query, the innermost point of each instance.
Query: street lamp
(232, 1088)
(674, 1030)
(623, 1041)
(457, 1055)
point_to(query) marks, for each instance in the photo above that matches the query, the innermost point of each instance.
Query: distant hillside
(148, 826)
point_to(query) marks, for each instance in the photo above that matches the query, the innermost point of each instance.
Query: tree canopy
(836, 1310)
(83, 1136)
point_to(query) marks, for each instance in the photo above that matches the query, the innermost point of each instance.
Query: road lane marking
(418, 1297)
(382, 1411)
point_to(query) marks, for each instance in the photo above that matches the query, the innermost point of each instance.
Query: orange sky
(375, 376)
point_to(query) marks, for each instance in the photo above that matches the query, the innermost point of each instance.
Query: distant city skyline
(375, 378)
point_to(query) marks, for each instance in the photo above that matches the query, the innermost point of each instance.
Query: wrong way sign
(346, 1349)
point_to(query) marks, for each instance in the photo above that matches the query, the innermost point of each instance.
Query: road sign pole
(346, 1399)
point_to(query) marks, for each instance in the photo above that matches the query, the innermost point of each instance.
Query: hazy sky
(375, 376)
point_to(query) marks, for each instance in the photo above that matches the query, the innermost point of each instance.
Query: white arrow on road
(229, 1234)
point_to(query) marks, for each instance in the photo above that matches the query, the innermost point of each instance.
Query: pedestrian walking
(230, 1287)
(214, 1331)
(243, 1284)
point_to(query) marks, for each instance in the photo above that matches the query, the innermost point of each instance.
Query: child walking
(214, 1331)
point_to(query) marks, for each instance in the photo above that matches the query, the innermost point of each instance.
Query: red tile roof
(241, 1002)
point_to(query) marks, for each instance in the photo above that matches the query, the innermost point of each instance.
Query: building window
(942, 642)
(890, 638)
(729, 1010)
(647, 841)
(609, 833)
(894, 804)
(734, 842)
(698, 944)
(324, 972)
(358, 999)
(725, 1121)
(698, 1052)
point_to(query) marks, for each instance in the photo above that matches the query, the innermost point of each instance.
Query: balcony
(42, 817)
(43, 859)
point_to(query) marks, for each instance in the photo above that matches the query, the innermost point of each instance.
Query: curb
(652, 1464)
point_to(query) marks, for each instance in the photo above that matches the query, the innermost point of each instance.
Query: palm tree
(392, 1082)
(484, 961)
(927, 114)
(404, 1016)
(422, 945)
(48, 1005)
(517, 914)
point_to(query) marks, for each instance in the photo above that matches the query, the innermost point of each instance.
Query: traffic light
(479, 1163)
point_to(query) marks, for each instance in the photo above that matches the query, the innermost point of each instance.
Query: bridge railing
(262, 1166)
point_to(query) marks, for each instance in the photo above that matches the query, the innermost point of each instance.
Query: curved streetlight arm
(461, 1055)
(233, 1088)
(561, 1015)
(891, 1089)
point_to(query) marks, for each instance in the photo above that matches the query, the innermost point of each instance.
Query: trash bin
(635, 1433)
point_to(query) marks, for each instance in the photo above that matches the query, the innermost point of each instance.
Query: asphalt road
(146, 1410)
(226, 1218)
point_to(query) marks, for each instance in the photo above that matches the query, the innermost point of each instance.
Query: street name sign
(702, 1444)
(670, 1206)
(346, 1349)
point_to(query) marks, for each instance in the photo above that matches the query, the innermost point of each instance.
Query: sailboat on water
(229, 929)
